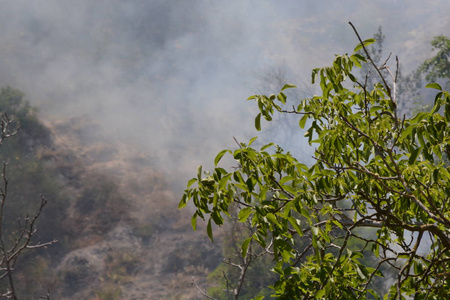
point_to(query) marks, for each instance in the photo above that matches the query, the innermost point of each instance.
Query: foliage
(375, 51)
(23, 117)
(373, 170)
(227, 274)
(439, 65)
(282, 129)
(408, 86)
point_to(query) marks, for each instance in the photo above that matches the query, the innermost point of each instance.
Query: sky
(170, 78)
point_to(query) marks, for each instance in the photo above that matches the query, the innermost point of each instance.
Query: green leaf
(314, 75)
(273, 219)
(224, 180)
(357, 58)
(377, 272)
(305, 213)
(360, 273)
(199, 173)
(194, 222)
(420, 116)
(252, 140)
(217, 218)
(258, 122)
(302, 121)
(296, 225)
(209, 230)
(259, 239)
(183, 201)
(267, 146)
(219, 156)
(413, 156)
(315, 230)
(286, 255)
(365, 43)
(286, 179)
(244, 247)
(282, 97)
(221, 171)
(418, 267)
(407, 132)
(320, 294)
(374, 294)
(375, 108)
(434, 85)
(352, 78)
(263, 193)
(244, 214)
(445, 173)
(249, 184)
(327, 172)
(288, 86)
(337, 223)
(191, 182)
(422, 141)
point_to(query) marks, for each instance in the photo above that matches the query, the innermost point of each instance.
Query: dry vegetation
(114, 215)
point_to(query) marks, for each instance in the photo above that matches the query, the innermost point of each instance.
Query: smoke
(170, 77)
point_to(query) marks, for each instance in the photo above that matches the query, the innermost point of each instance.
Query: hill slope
(119, 233)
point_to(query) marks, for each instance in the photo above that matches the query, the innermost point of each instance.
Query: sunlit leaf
(191, 182)
(320, 294)
(244, 247)
(223, 181)
(282, 98)
(295, 223)
(252, 140)
(434, 85)
(365, 43)
(302, 121)
(194, 222)
(244, 214)
(288, 86)
(219, 156)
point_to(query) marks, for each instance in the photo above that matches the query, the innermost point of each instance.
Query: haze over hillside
(170, 77)
(144, 91)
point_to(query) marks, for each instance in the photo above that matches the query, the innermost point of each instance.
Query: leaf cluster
(372, 170)
(439, 65)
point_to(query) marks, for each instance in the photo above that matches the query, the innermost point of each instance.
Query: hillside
(119, 233)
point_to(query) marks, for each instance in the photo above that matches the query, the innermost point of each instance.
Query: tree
(375, 51)
(282, 129)
(439, 65)
(14, 241)
(379, 186)
(408, 86)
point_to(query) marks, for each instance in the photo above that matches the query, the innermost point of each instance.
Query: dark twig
(204, 294)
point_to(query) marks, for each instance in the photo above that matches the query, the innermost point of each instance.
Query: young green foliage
(378, 179)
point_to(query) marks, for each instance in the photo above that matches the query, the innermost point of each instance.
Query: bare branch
(193, 283)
